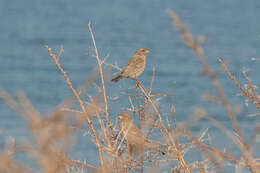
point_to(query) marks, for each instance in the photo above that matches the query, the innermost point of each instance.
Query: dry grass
(53, 133)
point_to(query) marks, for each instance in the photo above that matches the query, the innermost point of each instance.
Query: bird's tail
(116, 79)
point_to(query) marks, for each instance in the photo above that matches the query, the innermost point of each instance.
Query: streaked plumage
(135, 66)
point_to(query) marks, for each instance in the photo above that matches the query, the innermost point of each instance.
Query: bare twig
(247, 94)
(162, 129)
(102, 82)
(81, 104)
(196, 47)
(60, 53)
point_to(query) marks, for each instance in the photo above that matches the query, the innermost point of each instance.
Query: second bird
(135, 140)
(135, 66)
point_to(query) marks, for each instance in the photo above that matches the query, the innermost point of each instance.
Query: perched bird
(135, 66)
(135, 140)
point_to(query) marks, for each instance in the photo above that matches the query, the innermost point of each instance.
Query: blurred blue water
(231, 29)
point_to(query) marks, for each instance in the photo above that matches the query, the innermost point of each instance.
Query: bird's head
(125, 119)
(143, 51)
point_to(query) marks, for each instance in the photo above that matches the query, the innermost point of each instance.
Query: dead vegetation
(53, 133)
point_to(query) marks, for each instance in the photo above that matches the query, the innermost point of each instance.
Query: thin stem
(238, 85)
(102, 82)
(162, 129)
(81, 104)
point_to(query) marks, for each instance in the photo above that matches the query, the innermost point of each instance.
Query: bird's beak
(147, 51)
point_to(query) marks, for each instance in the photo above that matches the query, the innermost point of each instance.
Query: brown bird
(135, 66)
(134, 138)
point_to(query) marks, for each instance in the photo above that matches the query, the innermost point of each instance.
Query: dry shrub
(53, 133)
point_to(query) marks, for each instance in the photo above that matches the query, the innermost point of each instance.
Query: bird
(134, 138)
(135, 67)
